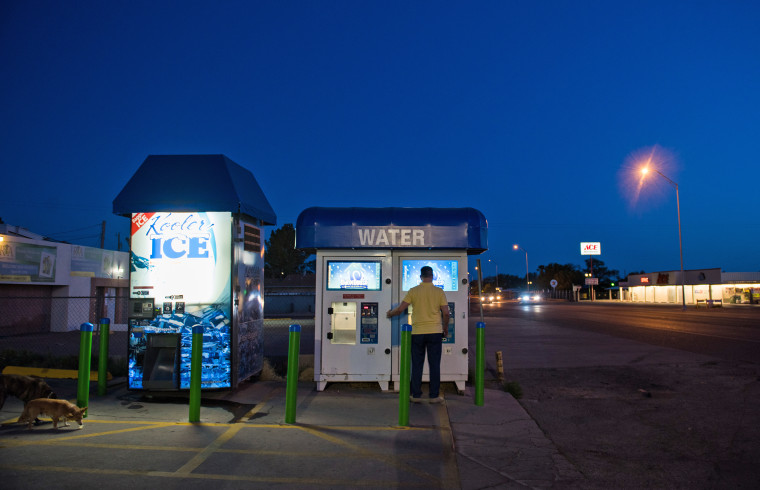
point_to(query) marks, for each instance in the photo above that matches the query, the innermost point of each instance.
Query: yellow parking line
(198, 459)
(318, 432)
(259, 405)
(84, 436)
(208, 476)
(138, 447)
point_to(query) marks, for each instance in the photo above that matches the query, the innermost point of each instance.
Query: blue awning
(392, 228)
(190, 183)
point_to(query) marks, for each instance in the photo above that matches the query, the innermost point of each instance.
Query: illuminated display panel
(184, 262)
(445, 273)
(353, 275)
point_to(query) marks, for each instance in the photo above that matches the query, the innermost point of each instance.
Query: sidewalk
(346, 436)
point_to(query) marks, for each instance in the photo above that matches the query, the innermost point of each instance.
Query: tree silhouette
(281, 258)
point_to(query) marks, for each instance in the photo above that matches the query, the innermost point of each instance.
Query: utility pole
(103, 234)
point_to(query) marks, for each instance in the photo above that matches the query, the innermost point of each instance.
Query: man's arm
(445, 316)
(399, 309)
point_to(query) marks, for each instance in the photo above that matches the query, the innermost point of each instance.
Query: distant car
(529, 298)
(491, 298)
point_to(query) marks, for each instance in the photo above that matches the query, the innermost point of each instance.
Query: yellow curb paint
(50, 373)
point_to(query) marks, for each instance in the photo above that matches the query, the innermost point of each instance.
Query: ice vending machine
(196, 258)
(367, 259)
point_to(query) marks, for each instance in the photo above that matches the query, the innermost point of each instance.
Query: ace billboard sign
(591, 248)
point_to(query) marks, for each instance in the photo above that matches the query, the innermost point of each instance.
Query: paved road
(731, 333)
(637, 396)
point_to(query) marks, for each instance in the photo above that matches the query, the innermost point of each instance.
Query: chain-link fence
(31, 315)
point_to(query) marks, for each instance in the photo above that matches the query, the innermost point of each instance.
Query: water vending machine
(367, 259)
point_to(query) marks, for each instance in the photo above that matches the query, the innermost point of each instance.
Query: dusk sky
(534, 112)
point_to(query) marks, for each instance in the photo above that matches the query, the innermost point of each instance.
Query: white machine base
(460, 384)
(322, 383)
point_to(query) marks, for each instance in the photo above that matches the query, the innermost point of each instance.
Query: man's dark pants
(432, 343)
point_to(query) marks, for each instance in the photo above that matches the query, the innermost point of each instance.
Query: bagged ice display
(216, 362)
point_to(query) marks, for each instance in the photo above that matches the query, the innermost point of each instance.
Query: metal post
(680, 250)
(680, 243)
(196, 367)
(85, 357)
(527, 273)
(480, 289)
(480, 363)
(291, 389)
(105, 331)
(405, 351)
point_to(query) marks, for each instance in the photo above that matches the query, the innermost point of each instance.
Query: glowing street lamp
(644, 173)
(527, 280)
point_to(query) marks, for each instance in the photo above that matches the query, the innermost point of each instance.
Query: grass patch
(513, 388)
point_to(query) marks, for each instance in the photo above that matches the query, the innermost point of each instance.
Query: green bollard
(291, 389)
(196, 368)
(480, 362)
(405, 353)
(105, 327)
(85, 358)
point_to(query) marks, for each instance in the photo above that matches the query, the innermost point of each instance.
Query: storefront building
(700, 286)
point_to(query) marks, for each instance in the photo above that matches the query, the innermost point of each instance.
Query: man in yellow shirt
(430, 323)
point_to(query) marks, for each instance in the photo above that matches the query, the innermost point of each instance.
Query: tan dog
(55, 409)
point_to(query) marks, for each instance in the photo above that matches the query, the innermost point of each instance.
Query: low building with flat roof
(699, 286)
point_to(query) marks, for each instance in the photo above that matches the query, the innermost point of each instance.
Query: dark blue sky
(528, 111)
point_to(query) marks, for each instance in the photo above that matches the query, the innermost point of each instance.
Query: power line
(76, 229)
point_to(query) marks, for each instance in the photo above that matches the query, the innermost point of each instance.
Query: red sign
(644, 279)
(139, 219)
(353, 296)
(591, 248)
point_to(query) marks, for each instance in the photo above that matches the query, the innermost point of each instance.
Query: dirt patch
(651, 426)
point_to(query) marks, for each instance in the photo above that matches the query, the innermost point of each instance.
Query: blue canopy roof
(185, 183)
(394, 228)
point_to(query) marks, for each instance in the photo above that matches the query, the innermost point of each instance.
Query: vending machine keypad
(369, 323)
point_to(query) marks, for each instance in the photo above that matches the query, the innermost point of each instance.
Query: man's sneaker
(438, 399)
(415, 400)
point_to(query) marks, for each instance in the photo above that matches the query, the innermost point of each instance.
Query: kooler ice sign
(175, 237)
(183, 262)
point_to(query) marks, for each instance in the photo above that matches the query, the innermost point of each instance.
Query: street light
(497, 272)
(644, 172)
(527, 280)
